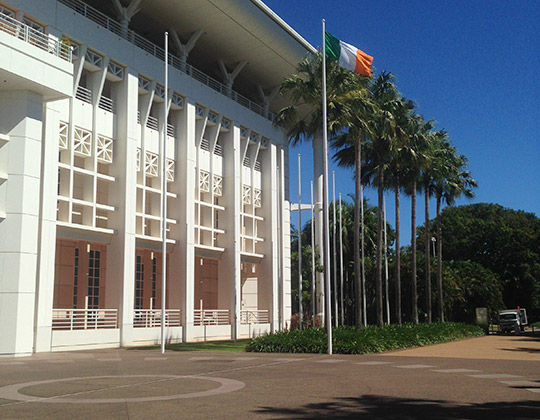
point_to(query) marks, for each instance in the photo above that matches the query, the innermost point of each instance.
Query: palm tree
(402, 154)
(383, 134)
(451, 181)
(427, 173)
(417, 130)
(303, 118)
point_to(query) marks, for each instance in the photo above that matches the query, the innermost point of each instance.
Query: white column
(183, 258)
(21, 114)
(47, 231)
(122, 195)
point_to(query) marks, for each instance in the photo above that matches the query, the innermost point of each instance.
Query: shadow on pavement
(381, 407)
(524, 349)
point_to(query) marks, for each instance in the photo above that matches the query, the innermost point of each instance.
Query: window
(75, 277)
(93, 279)
(139, 282)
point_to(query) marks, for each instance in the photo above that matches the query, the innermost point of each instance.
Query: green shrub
(350, 340)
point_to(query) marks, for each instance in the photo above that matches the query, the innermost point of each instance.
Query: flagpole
(164, 200)
(334, 247)
(300, 308)
(364, 309)
(386, 264)
(326, 234)
(341, 261)
(313, 277)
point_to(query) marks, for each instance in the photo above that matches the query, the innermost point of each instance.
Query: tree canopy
(504, 241)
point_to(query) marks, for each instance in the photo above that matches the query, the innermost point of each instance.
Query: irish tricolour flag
(348, 56)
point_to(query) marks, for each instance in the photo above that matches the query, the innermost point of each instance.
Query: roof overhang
(233, 31)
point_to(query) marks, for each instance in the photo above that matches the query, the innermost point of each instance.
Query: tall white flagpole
(386, 264)
(300, 308)
(363, 234)
(326, 252)
(341, 261)
(334, 247)
(313, 277)
(164, 199)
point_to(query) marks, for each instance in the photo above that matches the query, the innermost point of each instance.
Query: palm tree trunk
(398, 256)
(413, 246)
(380, 181)
(439, 260)
(428, 254)
(357, 226)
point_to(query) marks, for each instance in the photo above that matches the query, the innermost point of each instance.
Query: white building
(81, 132)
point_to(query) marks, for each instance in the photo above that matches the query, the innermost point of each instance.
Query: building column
(123, 196)
(183, 257)
(47, 230)
(229, 276)
(21, 114)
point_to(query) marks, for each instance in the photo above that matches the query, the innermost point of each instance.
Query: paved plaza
(493, 377)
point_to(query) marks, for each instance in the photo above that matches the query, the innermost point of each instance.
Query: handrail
(84, 319)
(152, 122)
(158, 52)
(148, 318)
(107, 104)
(84, 94)
(34, 37)
(211, 317)
(254, 316)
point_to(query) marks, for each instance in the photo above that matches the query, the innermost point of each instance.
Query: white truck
(512, 320)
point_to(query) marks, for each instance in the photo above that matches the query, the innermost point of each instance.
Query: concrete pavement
(449, 381)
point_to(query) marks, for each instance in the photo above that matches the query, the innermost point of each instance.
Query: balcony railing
(171, 131)
(34, 37)
(84, 94)
(158, 52)
(148, 318)
(152, 123)
(84, 319)
(107, 104)
(211, 317)
(254, 317)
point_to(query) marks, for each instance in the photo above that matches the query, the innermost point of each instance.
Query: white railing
(148, 318)
(218, 150)
(84, 94)
(211, 317)
(171, 131)
(152, 123)
(107, 104)
(84, 319)
(158, 52)
(34, 37)
(254, 317)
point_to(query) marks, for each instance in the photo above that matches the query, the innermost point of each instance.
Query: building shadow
(375, 407)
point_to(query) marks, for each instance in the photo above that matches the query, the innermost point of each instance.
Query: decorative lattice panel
(246, 194)
(204, 181)
(63, 143)
(170, 170)
(82, 142)
(104, 149)
(257, 197)
(218, 185)
(151, 165)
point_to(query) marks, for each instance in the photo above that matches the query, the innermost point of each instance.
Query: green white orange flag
(348, 56)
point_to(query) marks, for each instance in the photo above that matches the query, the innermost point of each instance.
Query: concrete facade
(82, 137)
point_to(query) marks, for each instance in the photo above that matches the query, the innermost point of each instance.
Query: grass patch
(240, 345)
(350, 340)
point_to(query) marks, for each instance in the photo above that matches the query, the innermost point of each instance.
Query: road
(491, 377)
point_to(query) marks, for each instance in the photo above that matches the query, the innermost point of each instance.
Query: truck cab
(512, 320)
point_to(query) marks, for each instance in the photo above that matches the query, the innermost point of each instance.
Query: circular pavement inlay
(12, 392)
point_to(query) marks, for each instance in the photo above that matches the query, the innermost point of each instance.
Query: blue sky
(473, 66)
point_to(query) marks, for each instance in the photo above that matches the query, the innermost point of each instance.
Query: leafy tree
(502, 240)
